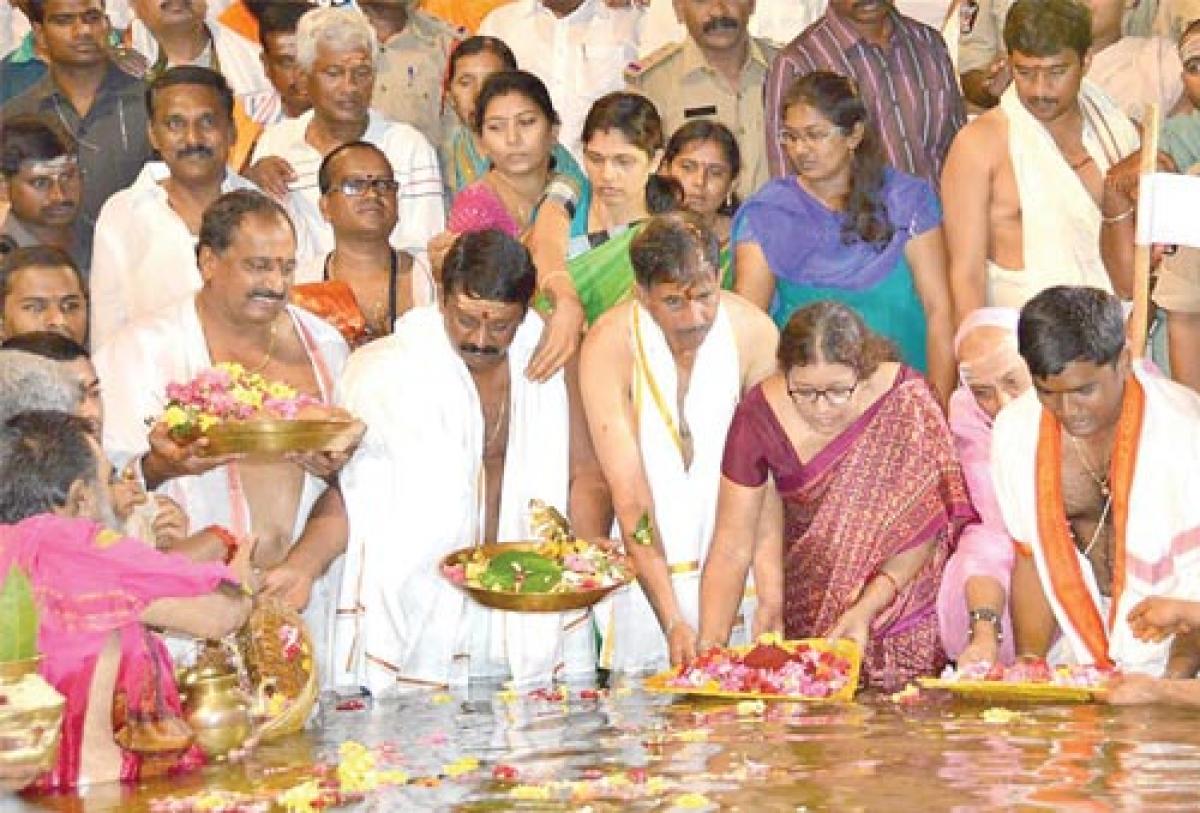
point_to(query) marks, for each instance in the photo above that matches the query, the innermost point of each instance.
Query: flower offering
(228, 392)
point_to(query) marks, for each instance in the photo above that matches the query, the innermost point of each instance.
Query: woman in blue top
(850, 228)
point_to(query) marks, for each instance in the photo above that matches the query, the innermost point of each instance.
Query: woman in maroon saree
(873, 499)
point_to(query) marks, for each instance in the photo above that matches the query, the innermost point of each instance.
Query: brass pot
(219, 712)
(14, 671)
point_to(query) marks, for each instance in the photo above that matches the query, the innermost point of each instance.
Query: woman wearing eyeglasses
(873, 499)
(848, 227)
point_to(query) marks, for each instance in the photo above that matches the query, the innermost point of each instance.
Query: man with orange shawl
(1096, 474)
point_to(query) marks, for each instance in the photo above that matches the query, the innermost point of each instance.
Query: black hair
(1042, 28)
(636, 118)
(42, 454)
(1069, 323)
(278, 17)
(674, 247)
(48, 345)
(39, 256)
(31, 138)
(473, 46)
(833, 333)
(325, 173)
(836, 98)
(225, 214)
(706, 130)
(489, 265)
(191, 75)
(522, 83)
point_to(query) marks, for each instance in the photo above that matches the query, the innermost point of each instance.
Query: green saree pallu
(603, 275)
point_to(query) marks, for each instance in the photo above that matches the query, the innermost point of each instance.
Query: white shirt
(413, 160)
(143, 256)
(14, 25)
(580, 57)
(1138, 71)
(239, 61)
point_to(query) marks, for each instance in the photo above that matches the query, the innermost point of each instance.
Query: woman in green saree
(587, 241)
(703, 156)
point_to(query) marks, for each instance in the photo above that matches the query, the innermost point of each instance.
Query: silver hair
(31, 382)
(340, 28)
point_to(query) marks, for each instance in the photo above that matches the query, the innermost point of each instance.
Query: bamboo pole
(1141, 253)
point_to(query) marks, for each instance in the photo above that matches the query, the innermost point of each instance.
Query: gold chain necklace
(1101, 482)
(270, 349)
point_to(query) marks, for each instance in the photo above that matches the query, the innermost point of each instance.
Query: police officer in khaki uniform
(414, 51)
(718, 72)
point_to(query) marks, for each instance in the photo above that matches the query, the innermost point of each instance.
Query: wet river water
(626, 749)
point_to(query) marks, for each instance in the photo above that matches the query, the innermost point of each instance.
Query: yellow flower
(299, 799)
(1000, 715)
(692, 801)
(460, 766)
(655, 785)
(508, 696)
(749, 708)
(441, 698)
(175, 416)
(234, 369)
(251, 398)
(206, 422)
(692, 735)
(529, 792)
(393, 777)
(277, 389)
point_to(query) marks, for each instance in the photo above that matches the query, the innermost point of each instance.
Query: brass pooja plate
(279, 436)
(659, 683)
(530, 602)
(1002, 690)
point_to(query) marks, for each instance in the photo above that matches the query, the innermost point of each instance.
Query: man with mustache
(1023, 182)
(661, 376)
(277, 35)
(144, 257)
(41, 289)
(94, 101)
(337, 49)
(459, 441)
(290, 506)
(718, 73)
(903, 72)
(39, 171)
(1095, 471)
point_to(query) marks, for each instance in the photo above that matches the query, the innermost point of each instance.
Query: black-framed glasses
(357, 187)
(834, 396)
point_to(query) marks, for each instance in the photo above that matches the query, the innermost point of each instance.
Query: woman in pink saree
(873, 498)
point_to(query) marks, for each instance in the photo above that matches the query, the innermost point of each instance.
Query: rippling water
(938, 754)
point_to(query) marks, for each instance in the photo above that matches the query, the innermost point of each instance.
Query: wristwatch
(989, 615)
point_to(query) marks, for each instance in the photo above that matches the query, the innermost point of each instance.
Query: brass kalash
(259, 684)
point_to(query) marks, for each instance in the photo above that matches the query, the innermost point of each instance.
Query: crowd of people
(824, 354)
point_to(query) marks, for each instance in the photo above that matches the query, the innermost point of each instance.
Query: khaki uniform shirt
(678, 79)
(410, 72)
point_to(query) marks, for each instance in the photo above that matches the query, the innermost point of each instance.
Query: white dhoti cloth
(136, 367)
(1155, 475)
(1060, 221)
(685, 498)
(415, 492)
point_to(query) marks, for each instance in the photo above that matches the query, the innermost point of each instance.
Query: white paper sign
(1169, 209)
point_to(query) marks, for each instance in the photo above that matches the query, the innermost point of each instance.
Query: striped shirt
(909, 88)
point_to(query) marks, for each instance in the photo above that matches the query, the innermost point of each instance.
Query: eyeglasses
(357, 187)
(834, 396)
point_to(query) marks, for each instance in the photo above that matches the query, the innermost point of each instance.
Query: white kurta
(414, 162)
(1138, 71)
(136, 367)
(143, 256)
(580, 57)
(685, 499)
(239, 61)
(414, 493)
(1162, 553)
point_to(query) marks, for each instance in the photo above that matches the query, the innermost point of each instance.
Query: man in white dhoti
(1096, 472)
(1022, 184)
(246, 255)
(458, 442)
(661, 375)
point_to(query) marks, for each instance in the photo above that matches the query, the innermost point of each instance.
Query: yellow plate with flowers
(1029, 692)
(574, 591)
(271, 436)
